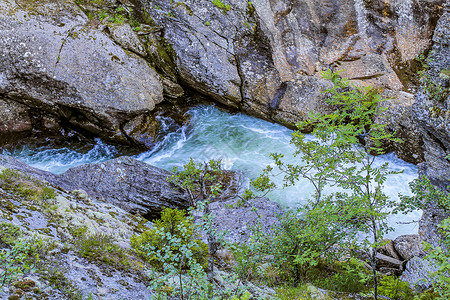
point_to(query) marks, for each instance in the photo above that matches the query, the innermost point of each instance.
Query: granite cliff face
(432, 112)
(104, 68)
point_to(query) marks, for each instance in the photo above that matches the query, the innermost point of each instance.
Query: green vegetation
(18, 183)
(435, 90)
(335, 158)
(56, 278)
(18, 255)
(173, 246)
(395, 289)
(221, 5)
(173, 225)
(101, 248)
(425, 194)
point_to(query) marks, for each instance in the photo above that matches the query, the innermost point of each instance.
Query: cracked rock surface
(54, 60)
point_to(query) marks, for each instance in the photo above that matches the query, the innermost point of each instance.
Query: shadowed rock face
(433, 115)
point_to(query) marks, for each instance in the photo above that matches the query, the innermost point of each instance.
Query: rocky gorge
(108, 69)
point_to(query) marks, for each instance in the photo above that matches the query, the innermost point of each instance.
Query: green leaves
(334, 158)
(202, 181)
(425, 194)
(173, 235)
(441, 258)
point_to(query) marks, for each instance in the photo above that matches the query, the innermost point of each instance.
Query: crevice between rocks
(242, 83)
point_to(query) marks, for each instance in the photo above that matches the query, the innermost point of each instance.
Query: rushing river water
(242, 142)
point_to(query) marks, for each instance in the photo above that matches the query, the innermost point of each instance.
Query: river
(240, 141)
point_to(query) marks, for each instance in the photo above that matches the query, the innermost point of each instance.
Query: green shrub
(349, 277)
(21, 257)
(100, 247)
(173, 224)
(441, 257)
(395, 289)
(9, 233)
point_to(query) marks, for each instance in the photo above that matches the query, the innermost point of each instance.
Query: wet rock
(15, 121)
(408, 246)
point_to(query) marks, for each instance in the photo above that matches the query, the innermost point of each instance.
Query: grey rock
(399, 121)
(389, 250)
(429, 225)
(265, 57)
(238, 220)
(134, 186)
(52, 59)
(417, 272)
(124, 35)
(14, 120)
(432, 116)
(69, 270)
(408, 246)
(388, 262)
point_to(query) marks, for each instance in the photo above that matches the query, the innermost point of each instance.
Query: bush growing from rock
(173, 225)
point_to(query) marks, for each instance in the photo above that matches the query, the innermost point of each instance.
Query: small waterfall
(361, 18)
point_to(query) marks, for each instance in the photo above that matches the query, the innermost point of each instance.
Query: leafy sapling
(335, 158)
(201, 181)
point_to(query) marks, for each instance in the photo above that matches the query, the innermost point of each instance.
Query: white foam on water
(242, 143)
(59, 160)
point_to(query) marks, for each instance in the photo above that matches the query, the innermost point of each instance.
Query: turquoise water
(240, 141)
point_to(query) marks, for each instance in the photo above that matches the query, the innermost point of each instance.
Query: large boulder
(408, 246)
(55, 60)
(132, 185)
(416, 273)
(264, 57)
